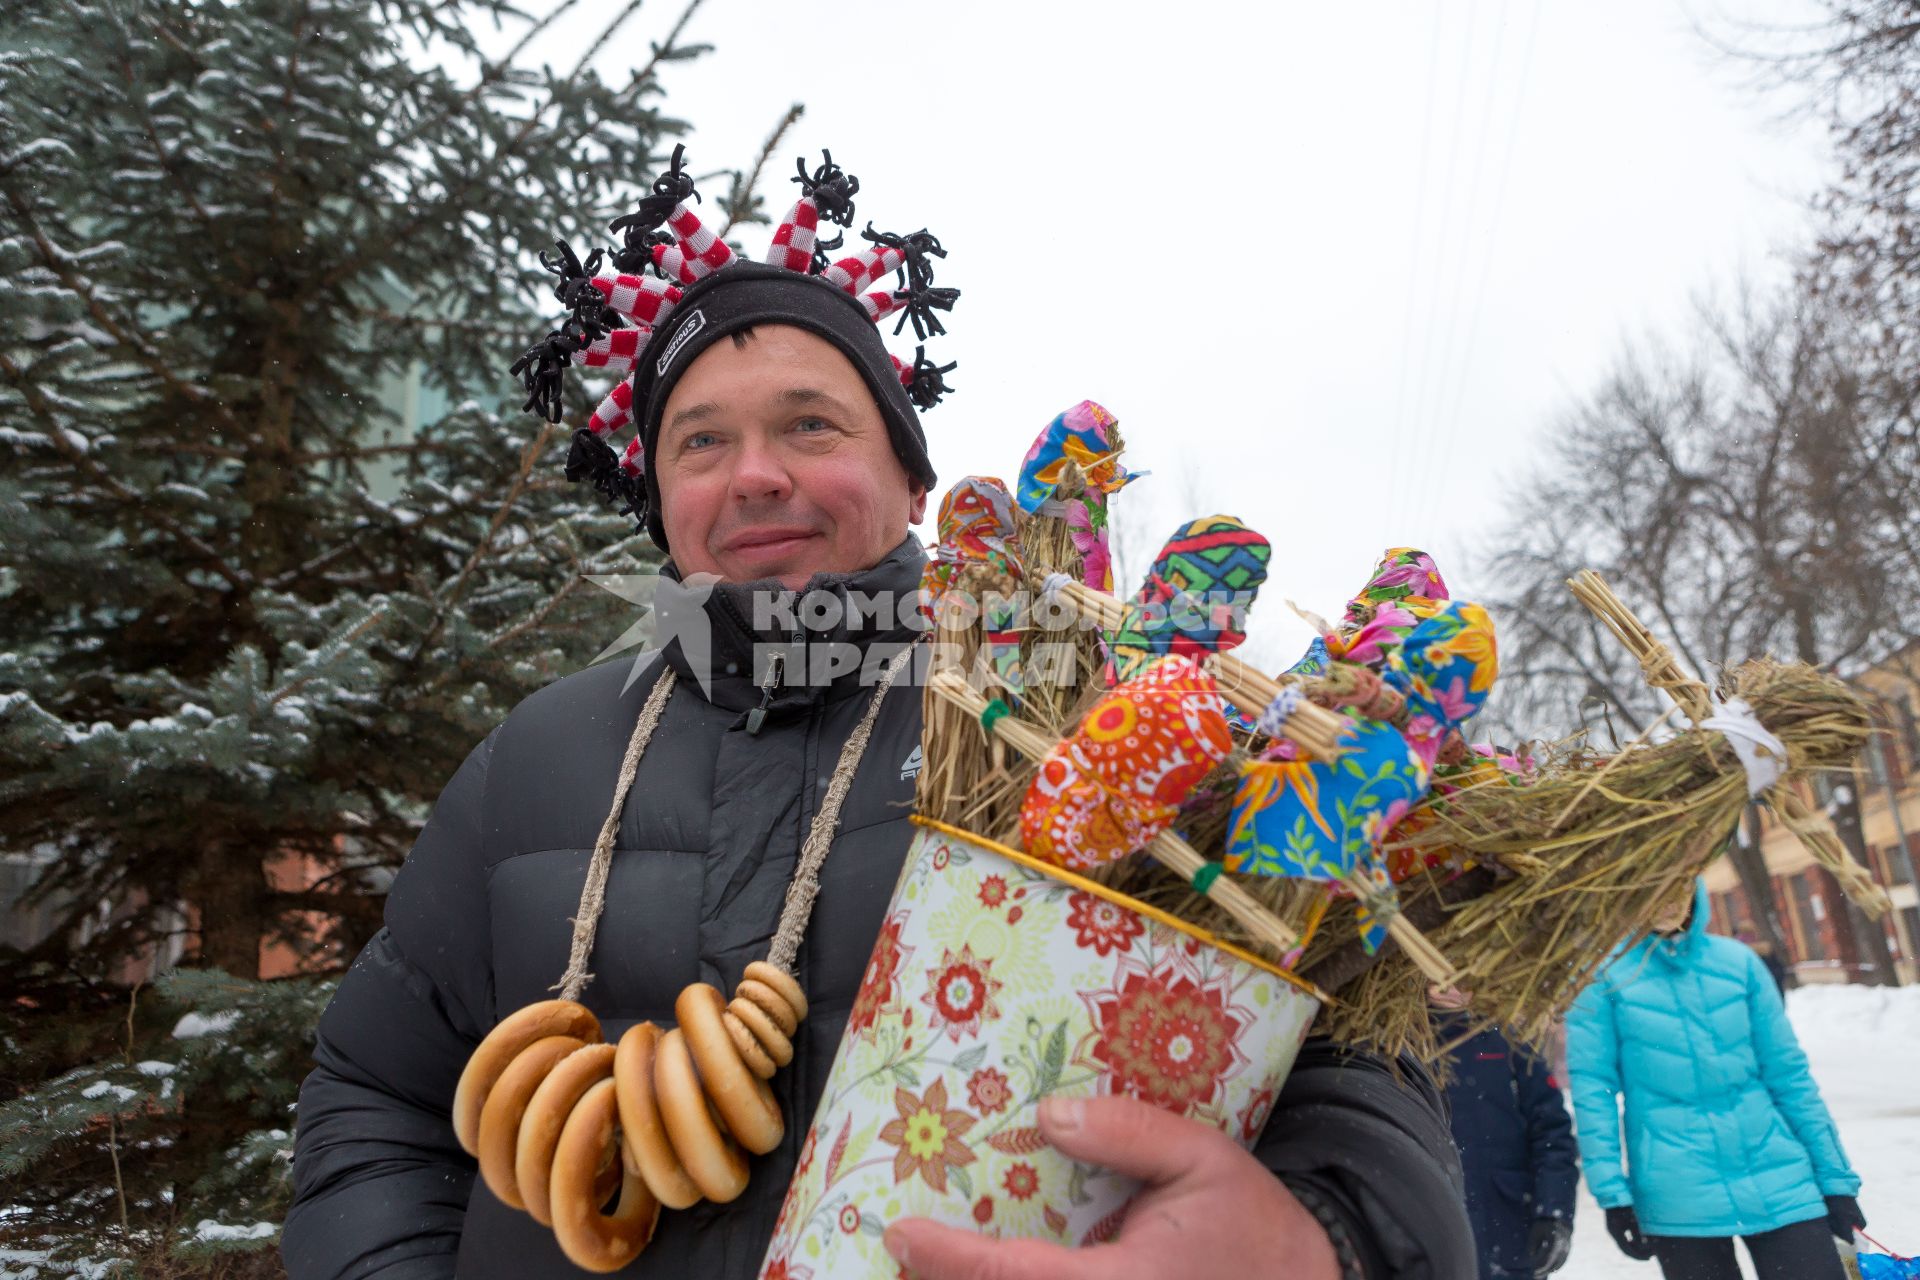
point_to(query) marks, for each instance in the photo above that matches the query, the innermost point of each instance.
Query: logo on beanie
(694, 324)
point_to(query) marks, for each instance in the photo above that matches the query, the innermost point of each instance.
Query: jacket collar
(782, 651)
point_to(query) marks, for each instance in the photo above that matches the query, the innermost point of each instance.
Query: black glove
(1843, 1215)
(1623, 1224)
(1548, 1243)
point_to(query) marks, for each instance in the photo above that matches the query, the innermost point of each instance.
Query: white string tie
(1762, 755)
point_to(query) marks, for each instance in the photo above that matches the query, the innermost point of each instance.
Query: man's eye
(813, 426)
(700, 440)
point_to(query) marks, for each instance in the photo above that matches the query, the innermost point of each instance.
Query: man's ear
(917, 509)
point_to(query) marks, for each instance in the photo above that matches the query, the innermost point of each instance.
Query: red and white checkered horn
(794, 239)
(856, 272)
(695, 252)
(881, 303)
(618, 350)
(826, 193)
(645, 300)
(615, 411)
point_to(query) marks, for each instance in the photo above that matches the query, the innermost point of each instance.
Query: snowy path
(1864, 1044)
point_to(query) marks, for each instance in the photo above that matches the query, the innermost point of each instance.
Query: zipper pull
(776, 663)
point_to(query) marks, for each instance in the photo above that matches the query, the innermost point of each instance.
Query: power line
(1446, 225)
(1493, 233)
(1397, 439)
(1446, 372)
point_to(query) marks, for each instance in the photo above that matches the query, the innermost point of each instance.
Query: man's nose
(759, 472)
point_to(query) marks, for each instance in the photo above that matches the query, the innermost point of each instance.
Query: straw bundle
(1584, 858)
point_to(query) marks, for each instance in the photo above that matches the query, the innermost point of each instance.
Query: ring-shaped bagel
(502, 1045)
(507, 1104)
(769, 1000)
(592, 1240)
(644, 1145)
(746, 1105)
(773, 1042)
(546, 1116)
(783, 983)
(750, 1051)
(712, 1159)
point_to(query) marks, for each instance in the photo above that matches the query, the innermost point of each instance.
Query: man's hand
(1208, 1209)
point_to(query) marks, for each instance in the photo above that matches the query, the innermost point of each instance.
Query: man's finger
(930, 1251)
(1132, 1137)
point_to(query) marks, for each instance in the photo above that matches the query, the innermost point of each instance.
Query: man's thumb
(1130, 1137)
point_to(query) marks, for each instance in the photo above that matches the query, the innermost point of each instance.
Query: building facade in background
(1807, 897)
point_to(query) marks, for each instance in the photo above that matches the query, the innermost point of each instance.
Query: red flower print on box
(929, 1135)
(806, 1154)
(1021, 1180)
(989, 1091)
(1100, 924)
(781, 1269)
(1253, 1116)
(1164, 1036)
(880, 988)
(931, 1105)
(961, 991)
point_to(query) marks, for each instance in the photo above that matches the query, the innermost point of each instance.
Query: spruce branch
(743, 199)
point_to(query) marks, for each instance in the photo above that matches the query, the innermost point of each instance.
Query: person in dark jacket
(1516, 1147)
(1726, 1134)
(775, 460)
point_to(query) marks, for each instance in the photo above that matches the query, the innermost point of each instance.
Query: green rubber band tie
(1203, 878)
(993, 713)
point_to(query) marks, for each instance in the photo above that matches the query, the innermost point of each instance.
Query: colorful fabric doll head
(1123, 775)
(1086, 437)
(1405, 587)
(1195, 596)
(647, 309)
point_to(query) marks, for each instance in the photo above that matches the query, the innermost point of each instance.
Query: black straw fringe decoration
(928, 382)
(640, 230)
(592, 459)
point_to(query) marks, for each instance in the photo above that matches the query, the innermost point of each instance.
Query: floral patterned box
(997, 980)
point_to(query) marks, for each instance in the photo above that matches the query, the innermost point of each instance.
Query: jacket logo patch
(910, 767)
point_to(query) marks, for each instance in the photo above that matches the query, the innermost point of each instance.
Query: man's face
(774, 462)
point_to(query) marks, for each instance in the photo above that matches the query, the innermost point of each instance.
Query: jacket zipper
(770, 683)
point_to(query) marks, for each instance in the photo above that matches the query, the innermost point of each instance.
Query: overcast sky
(1337, 269)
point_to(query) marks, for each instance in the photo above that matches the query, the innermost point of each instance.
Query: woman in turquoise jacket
(1726, 1134)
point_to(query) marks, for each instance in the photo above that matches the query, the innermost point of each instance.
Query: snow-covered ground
(1864, 1044)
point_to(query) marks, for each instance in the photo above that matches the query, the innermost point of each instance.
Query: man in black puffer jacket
(780, 457)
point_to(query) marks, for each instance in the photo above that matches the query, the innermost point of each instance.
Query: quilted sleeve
(1593, 1070)
(1783, 1069)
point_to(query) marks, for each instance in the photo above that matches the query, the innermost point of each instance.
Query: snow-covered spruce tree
(277, 544)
